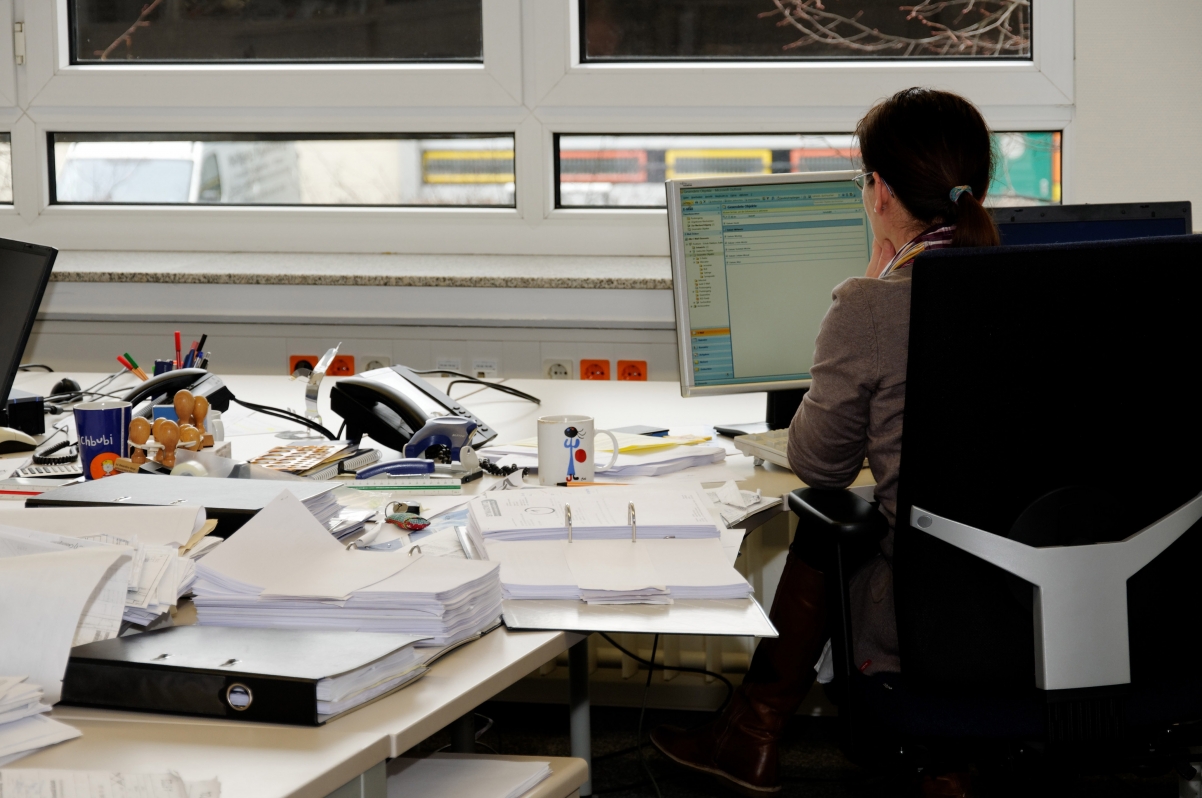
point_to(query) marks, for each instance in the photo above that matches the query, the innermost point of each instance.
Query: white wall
(1137, 132)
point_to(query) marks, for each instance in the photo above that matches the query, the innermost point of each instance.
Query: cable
(285, 414)
(44, 458)
(730, 688)
(495, 385)
(31, 366)
(342, 429)
(638, 734)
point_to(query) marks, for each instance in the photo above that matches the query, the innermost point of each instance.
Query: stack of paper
(164, 542)
(617, 571)
(736, 505)
(597, 513)
(102, 784)
(281, 570)
(23, 729)
(465, 774)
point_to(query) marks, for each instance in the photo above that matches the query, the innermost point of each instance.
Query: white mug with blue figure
(566, 449)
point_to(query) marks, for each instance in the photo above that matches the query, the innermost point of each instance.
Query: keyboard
(772, 446)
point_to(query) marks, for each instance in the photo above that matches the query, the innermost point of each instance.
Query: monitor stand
(782, 406)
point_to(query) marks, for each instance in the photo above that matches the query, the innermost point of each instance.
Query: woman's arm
(829, 434)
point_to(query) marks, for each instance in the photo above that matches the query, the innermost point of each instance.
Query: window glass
(629, 171)
(189, 31)
(6, 169)
(638, 30)
(282, 169)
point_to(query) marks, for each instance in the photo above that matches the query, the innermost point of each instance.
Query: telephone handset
(161, 388)
(391, 404)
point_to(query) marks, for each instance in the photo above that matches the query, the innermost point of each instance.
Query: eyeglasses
(861, 181)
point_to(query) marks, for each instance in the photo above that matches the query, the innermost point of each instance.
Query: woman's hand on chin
(882, 252)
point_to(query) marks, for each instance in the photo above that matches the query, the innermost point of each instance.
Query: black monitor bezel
(1103, 212)
(49, 253)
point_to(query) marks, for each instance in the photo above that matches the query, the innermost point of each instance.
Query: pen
(137, 372)
(136, 369)
(179, 360)
(587, 484)
(191, 356)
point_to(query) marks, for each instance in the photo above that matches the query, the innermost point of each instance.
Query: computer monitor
(754, 261)
(1061, 224)
(24, 273)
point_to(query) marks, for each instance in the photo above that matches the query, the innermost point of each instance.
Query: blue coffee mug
(103, 430)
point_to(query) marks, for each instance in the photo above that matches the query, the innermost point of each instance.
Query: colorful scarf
(934, 237)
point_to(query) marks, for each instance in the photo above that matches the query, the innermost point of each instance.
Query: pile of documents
(102, 784)
(617, 571)
(164, 541)
(735, 505)
(282, 570)
(638, 455)
(674, 510)
(23, 727)
(465, 774)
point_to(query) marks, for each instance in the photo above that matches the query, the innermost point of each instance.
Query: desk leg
(463, 734)
(578, 707)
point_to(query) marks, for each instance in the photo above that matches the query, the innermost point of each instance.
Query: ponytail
(935, 152)
(974, 225)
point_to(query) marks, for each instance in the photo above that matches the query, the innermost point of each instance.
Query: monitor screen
(1064, 224)
(24, 272)
(754, 261)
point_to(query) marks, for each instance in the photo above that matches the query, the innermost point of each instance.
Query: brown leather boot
(739, 746)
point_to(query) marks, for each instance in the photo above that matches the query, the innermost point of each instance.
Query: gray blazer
(854, 408)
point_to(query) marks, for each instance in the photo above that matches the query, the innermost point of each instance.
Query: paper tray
(733, 617)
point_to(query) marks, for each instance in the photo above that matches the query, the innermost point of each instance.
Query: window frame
(531, 83)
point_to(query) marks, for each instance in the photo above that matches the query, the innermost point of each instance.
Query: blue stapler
(453, 432)
(405, 467)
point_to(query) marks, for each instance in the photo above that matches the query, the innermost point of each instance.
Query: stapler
(440, 447)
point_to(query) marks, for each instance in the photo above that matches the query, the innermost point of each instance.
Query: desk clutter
(102, 784)
(465, 774)
(23, 726)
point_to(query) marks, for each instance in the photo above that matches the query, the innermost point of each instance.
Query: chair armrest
(851, 519)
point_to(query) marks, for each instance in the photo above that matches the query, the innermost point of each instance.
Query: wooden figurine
(139, 433)
(184, 403)
(200, 410)
(168, 436)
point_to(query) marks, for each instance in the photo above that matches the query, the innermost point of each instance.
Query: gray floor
(811, 763)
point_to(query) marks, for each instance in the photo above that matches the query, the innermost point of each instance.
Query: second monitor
(754, 261)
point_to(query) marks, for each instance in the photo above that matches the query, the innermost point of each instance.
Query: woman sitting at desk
(928, 158)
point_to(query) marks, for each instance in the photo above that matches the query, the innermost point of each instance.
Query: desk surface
(265, 760)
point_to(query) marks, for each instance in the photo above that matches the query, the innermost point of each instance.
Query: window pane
(189, 31)
(629, 171)
(6, 169)
(282, 169)
(637, 30)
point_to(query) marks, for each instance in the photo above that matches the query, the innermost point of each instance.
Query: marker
(191, 357)
(137, 372)
(136, 368)
(179, 360)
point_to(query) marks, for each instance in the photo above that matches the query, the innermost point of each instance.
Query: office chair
(1047, 533)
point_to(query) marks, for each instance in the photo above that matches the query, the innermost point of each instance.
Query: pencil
(587, 484)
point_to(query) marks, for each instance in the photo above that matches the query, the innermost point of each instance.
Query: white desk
(262, 760)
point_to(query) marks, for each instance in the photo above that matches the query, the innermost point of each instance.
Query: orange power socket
(340, 366)
(632, 370)
(594, 369)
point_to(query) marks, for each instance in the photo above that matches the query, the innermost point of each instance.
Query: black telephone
(161, 389)
(391, 404)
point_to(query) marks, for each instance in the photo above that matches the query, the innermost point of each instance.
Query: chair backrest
(1050, 398)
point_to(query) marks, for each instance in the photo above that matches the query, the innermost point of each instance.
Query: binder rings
(232, 502)
(258, 675)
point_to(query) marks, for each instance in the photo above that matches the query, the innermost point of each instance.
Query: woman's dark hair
(923, 143)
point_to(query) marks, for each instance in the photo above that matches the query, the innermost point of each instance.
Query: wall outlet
(448, 364)
(307, 362)
(341, 366)
(632, 370)
(594, 369)
(376, 362)
(557, 369)
(486, 367)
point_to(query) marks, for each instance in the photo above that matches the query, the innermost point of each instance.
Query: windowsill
(446, 271)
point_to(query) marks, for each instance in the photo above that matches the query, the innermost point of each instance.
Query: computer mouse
(64, 386)
(13, 440)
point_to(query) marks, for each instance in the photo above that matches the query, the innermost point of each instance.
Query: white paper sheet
(26, 736)
(101, 784)
(101, 615)
(477, 776)
(286, 552)
(51, 591)
(154, 526)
